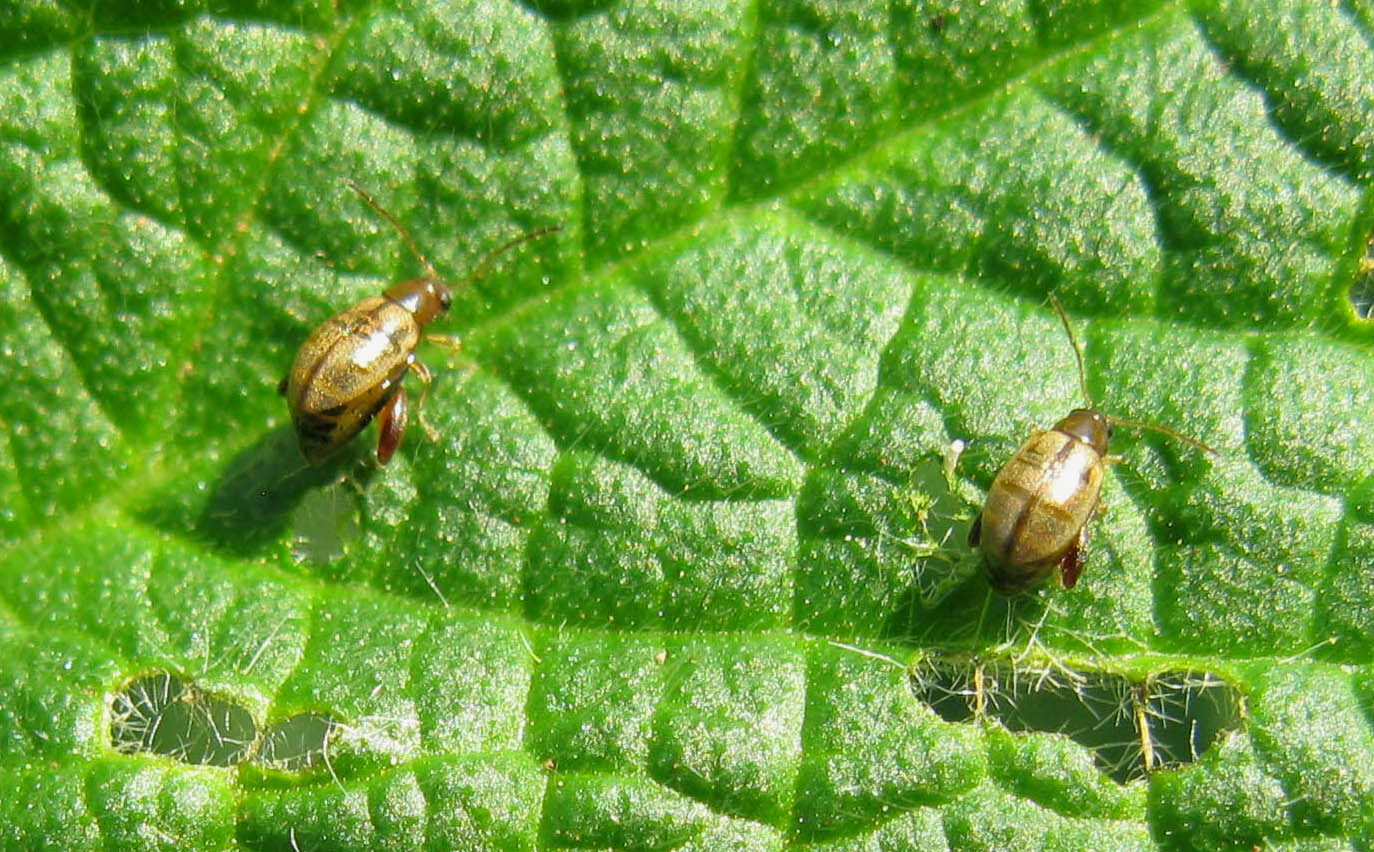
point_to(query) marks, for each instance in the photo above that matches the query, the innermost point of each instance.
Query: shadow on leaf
(250, 503)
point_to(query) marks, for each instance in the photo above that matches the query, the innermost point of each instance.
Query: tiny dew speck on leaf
(685, 565)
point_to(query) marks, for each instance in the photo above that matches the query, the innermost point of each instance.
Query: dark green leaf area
(1053, 771)
(1218, 616)
(946, 56)
(1022, 378)
(438, 66)
(592, 701)
(118, 803)
(603, 371)
(470, 677)
(372, 695)
(903, 61)
(799, 347)
(1308, 725)
(147, 806)
(163, 604)
(898, 433)
(612, 812)
(990, 820)
(1015, 193)
(728, 729)
(458, 214)
(53, 805)
(677, 564)
(874, 551)
(1226, 799)
(651, 95)
(1242, 212)
(54, 683)
(26, 25)
(150, 105)
(462, 510)
(1254, 550)
(870, 747)
(1310, 59)
(1196, 388)
(918, 830)
(1306, 397)
(1346, 612)
(52, 417)
(695, 440)
(801, 49)
(478, 802)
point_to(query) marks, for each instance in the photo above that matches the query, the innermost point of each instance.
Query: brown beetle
(352, 367)
(1037, 510)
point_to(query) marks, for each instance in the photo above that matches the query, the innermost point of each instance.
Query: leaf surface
(685, 568)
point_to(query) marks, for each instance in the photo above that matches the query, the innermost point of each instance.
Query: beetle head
(1089, 426)
(426, 297)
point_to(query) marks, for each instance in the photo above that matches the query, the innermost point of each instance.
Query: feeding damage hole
(326, 523)
(297, 743)
(165, 714)
(1132, 727)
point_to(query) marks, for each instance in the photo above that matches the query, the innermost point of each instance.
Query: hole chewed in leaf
(300, 742)
(163, 714)
(1131, 727)
(324, 524)
(1189, 712)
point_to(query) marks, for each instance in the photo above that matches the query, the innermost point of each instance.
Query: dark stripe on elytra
(318, 429)
(1035, 500)
(321, 427)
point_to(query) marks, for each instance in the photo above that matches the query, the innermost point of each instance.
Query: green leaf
(685, 566)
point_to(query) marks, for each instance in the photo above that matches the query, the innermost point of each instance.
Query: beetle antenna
(400, 229)
(1077, 353)
(1165, 429)
(485, 264)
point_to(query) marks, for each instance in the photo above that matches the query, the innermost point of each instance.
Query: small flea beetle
(1037, 511)
(352, 367)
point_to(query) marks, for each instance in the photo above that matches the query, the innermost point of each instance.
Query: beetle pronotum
(1038, 508)
(353, 366)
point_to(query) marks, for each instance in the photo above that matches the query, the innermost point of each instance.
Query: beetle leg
(1113, 459)
(281, 388)
(1071, 564)
(391, 425)
(451, 342)
(422, 373)
(976, 531)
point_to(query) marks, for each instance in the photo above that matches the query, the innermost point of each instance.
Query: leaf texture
(692, 525)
